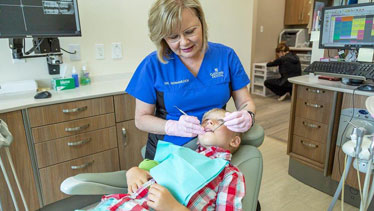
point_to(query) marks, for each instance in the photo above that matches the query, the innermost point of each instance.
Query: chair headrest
(254, 136)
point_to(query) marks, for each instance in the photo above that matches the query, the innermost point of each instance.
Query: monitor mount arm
(42, 47)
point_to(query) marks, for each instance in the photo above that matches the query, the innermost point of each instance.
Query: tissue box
(59, 84)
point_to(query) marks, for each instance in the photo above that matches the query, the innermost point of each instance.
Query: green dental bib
(183, 171)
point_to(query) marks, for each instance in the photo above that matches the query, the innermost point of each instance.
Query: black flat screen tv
(39, 18)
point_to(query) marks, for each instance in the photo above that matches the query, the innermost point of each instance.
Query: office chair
(247, 158)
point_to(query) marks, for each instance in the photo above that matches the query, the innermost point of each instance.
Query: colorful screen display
(347, 27)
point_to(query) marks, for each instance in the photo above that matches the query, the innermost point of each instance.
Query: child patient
(223, 192)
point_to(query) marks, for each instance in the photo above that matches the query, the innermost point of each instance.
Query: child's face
(221, 137)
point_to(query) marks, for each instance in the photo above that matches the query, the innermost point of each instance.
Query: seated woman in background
(289, 66)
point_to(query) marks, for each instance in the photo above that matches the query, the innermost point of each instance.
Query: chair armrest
(249, 161)
(95, 183)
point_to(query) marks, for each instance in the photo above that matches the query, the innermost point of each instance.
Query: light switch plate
(77, 49)
(99, 51)
(116, 50)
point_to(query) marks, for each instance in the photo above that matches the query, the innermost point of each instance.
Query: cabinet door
(306, 6)
(130, 142)
(292, 14)
(22, 163)
(297, 12)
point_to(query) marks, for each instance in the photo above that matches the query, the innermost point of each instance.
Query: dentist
(187, 72)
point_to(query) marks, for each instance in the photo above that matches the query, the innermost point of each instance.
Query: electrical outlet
(77, 49)
(116, 50)
(99, 51)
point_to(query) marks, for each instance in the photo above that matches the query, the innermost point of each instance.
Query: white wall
(125, 21)
(265, 42)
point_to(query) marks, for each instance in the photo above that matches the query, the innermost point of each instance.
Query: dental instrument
(180, 110)
(360, 147)
(223, 121)
(6, 139)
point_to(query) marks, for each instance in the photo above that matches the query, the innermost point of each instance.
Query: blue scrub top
(172, 84)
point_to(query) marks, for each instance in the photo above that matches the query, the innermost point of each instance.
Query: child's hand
(136, 177)
(159, 198)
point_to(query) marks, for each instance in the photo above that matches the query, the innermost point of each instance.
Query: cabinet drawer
(314, 94)
(69, 111)
(314, 110)
(125, 107)
(309, 149)
(64, 129)
(64, 149)
(51, 177)
(315, 131)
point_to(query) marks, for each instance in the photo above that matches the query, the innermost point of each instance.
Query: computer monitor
(39, 18)
(348, 27)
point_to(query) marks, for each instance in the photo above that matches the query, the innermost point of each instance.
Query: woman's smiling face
(187, 42)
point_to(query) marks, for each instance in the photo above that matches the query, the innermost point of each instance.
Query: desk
(314, 122)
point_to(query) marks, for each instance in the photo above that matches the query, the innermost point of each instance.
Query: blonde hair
(165, 16)
(223, 111)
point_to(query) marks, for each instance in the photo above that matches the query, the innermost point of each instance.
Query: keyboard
(352, 70)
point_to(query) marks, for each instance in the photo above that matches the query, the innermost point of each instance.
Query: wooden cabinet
(22, 163)
(72, 138)
(53, 176)
(94, 135)
(297, 12)
(130, 139)
(312, 125)
(70, 111)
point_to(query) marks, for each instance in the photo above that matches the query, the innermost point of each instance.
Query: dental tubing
(6, 139)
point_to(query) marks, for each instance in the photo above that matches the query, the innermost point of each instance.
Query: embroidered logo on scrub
(216, 73)
(177, 82)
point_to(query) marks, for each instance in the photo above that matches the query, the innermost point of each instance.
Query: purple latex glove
(238, 121)
(186, 126)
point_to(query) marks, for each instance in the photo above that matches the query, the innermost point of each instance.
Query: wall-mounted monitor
(348, 27)
(39, 18)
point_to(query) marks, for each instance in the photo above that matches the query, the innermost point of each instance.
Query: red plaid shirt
(225, 192)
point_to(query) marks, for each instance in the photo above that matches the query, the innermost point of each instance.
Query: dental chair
(247, 158)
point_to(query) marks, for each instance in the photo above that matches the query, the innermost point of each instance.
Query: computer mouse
(43, 95)
(366, 87)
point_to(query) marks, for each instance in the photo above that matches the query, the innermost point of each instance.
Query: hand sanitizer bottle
(74, 75)
(85, 77)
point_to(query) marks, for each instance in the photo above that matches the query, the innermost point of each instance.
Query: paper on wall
(365, 55)
(314, 36)
(317, 53)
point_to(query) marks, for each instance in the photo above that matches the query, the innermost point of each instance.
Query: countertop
(116, 84)
(338, 86)
(106, 86)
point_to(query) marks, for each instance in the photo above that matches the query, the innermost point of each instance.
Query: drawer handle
(124, 136)
(309, 144)
(318, 91)
(78, 143)
(82, 166)
(74, 110)
(75, 129)
(313, 105)
(311, 125)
